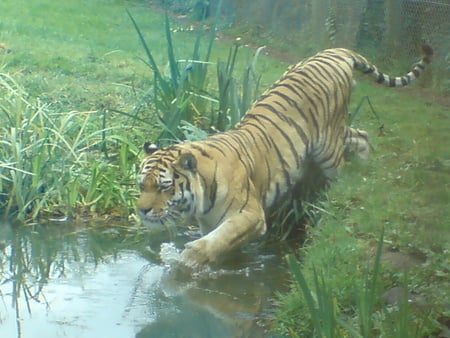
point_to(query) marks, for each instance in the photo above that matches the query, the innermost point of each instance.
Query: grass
(66, 151)
(57, 132)
(184, 96)
(403, 189)
(51, 163)
(90, 77)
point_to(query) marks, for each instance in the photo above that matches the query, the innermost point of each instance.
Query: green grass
(68, 65)
(404, 189)
(64, 67)
(82, 68)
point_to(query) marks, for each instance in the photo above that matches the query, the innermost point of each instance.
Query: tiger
(227, 182)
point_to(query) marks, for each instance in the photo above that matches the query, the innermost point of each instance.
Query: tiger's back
(227, 181)
(305, 115)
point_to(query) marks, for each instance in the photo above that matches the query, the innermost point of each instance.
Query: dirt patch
(401, 261)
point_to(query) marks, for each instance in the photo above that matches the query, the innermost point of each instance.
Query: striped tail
(398, 81)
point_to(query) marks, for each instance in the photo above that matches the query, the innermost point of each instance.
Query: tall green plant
(50, 162)
(182, 95)
(368, 295)
(327, 319)
(175, 96)
(320, 301)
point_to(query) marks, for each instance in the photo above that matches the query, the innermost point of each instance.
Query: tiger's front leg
(240, 227)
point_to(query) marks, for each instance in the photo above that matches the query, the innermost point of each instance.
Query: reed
(52, 163)
(181, 97)
(321, 299)
(178, 94)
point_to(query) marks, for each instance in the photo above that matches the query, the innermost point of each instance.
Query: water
(61, 280)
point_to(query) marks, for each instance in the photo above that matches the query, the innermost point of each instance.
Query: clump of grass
(233, 103)
(51, 163)
(179, 95)
(334, 294)
(182, 98)
(326, 312)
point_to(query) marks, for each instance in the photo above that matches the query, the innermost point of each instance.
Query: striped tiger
(227, 182)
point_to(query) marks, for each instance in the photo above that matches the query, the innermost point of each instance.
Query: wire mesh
(390, 31)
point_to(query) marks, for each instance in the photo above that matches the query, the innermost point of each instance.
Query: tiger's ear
(149, 148)
(187, 161)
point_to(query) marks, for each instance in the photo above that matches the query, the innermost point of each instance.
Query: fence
(387, 31)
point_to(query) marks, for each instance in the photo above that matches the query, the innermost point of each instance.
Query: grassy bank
(60, 76)
(404, 190)
(76, 100)
(66, 68)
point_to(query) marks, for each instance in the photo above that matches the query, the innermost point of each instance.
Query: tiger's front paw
(196, 255)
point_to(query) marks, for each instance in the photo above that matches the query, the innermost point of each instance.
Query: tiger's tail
(397, 81)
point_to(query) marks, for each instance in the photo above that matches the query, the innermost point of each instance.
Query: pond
(63, 280)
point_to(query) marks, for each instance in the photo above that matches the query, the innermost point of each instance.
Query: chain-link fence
(386, 31)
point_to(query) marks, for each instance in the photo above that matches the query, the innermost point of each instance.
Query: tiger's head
(164, 181)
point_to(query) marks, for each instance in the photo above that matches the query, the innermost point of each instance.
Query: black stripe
(263, 138)
(224, 213)
(277, 191)
(323, 85)
(211, 144)
(336, 66)
(248, 143)
(262, 132)
(327, 92)
(368, 70)
(332, 56)
(293, 102)
(273, 145)
(335, 164)
(200, 149)
(341, 111)
(303, 93)
(280, 104)
(223, 139)
(269, 173)
(290, 87)
(312, 114)
(212, 192)
(248, 155)
(318, 81)
(247, 197)
(218, 138)
(285, 136)
(271, 108)
(185, 178)
(329, 156)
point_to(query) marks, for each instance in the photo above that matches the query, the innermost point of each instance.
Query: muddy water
(59, 280)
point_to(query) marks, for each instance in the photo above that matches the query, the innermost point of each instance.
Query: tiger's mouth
(160, 220)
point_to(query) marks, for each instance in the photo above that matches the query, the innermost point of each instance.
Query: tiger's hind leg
(330, 157)
(357, 142)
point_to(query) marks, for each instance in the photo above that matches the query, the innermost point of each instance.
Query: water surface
(61, 280)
